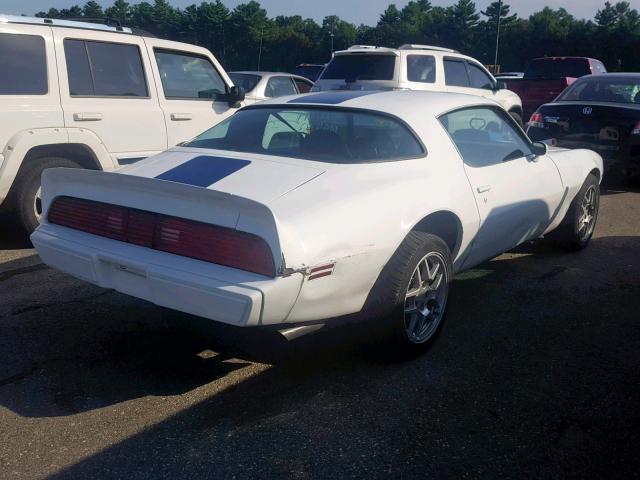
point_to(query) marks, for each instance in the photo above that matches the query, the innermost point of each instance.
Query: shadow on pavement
(536, 374)
(11, 236)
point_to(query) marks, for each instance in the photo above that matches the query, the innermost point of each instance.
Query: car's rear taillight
(187, 238)
(536, 120)
(636, 129)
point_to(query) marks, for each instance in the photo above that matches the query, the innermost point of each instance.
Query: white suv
(414, 67)
(83, 95)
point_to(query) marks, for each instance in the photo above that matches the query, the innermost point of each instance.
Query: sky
(355, 11)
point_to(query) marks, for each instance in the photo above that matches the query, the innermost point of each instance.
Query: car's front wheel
(415, 286)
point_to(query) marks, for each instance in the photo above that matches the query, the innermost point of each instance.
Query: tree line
(245, 37)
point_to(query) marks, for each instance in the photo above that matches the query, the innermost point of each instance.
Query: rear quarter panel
(357, 216)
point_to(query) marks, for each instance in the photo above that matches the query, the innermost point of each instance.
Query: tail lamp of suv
(180, 236)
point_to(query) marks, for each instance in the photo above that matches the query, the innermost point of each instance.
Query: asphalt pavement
(536, 374)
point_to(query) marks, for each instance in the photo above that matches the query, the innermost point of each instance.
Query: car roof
(268, 74)
(406, 104)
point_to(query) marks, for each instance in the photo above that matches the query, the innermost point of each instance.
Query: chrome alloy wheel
(426, 298)
(588, 213)
(37, 203)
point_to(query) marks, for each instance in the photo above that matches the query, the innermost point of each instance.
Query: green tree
(92, 10)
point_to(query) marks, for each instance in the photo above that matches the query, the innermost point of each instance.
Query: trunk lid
(603, 127)
(257, 177)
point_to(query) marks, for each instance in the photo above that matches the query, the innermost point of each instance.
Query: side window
(421, 68)
(455, 73)
(303, 86)
(186, 76)
(479, 78)
(485, 136)
(23, 63)
(102, 69)
(279, 87)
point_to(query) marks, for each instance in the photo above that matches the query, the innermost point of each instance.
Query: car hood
(257, 177)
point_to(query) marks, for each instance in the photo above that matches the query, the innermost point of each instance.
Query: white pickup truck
(85, 95)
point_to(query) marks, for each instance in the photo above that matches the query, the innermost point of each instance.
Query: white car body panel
(351, 217)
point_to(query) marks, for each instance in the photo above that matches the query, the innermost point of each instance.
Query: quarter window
(485, 136)
(455, 73)
(421, 68)
(186, 76)
(478, 77)
(279, 87)
(303, 85)
(102, 69)
(23, 63)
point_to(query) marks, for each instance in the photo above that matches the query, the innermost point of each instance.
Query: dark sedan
(601, 113)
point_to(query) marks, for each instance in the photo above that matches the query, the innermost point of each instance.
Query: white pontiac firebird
(306, 209)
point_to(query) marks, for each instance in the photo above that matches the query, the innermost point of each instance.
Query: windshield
(247, 81)
(322, 134)
(558, 68)
(360, 67)
(604, 89)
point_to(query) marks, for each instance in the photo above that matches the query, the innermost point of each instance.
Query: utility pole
(495, 60)
(260, 50)
(332, 35)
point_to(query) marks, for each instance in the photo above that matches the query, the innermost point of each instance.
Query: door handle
(87, 117)
(483, 188)
(181, 117)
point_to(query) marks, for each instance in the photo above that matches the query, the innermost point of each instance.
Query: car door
(517, 193)
(106, 91)
(192, 89)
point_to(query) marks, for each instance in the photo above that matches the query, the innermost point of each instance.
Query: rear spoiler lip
(184, 201)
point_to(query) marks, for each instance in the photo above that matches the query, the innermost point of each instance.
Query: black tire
(26, 186)
(570, 235)
(517, 117)
(386, 305)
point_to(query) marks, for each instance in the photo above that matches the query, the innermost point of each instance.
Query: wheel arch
(444, 224)
(76, 152)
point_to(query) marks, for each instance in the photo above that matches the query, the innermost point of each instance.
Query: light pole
(495, 60)
(332, 35)
(260, 50)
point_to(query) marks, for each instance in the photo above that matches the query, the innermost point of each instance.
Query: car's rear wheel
(414, 290)
(26, 192)
(578, 225)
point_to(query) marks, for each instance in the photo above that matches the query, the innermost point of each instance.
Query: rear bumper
(211, 291)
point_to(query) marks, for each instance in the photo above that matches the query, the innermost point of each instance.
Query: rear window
(603, 89)
(321, 134)
(23, 63)
(247, 81)
(558, 68)
(360, 67)
(104, 69)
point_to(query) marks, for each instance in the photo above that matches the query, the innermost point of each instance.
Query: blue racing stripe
(333, 97)
(204, 170)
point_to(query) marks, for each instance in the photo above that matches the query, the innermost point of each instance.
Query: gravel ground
(536, 374)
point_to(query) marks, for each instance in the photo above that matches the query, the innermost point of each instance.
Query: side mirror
(235, 95)
(539, 148)
(500, 85)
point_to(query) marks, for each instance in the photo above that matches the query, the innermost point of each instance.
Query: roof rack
(362, 47)
(110, 25)
(414, 46)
